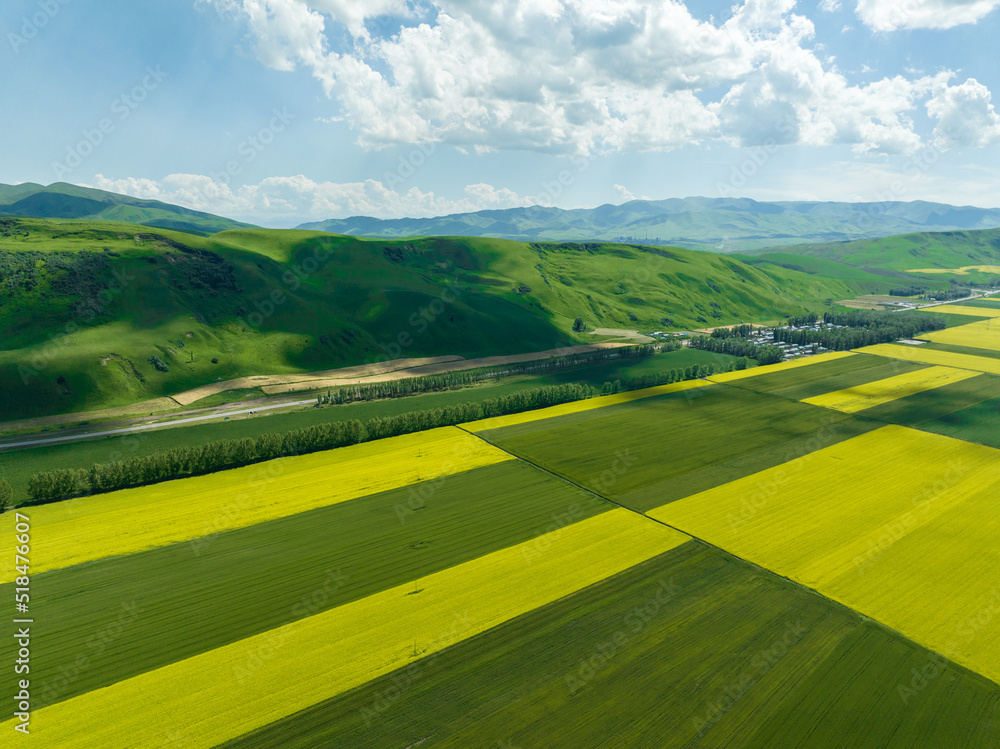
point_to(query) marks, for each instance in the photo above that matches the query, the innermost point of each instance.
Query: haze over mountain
(726, 224)
(63, 200)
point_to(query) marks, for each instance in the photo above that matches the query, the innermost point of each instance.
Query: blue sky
(282, 111)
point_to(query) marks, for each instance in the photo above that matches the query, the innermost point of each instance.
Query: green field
(953, 321)
(18, 466)
(89, 303)
(693, 648)
(986, 303)
(977, 423)
(193, 597)
(647, 453)
(921, 408)
(963, 350)
(825, 377)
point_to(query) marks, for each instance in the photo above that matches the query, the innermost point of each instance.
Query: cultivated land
(864, 522)
(286, 569)
(133, 520)
(376, 635)
(615, 665)
(644, 453)
(802, 554)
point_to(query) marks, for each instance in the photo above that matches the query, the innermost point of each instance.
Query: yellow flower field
(898, 524)
(963, 271)
(779, 367)
(924, 355)
(958, 309)
(130, 520)
(496, 422)
(210, 698)
(870, 394)
(984, 334)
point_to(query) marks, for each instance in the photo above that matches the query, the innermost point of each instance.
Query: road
(43, 440)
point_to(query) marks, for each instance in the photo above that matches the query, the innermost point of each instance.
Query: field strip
(982, 335)
(575, 407)
(238, 688)
(805, 361)
(963, 271)
(924, 355)
(898, 524)
(858, 398)
(959, 309)
(131, 520)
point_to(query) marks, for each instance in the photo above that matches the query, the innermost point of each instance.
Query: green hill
(63, 200)
(95, 314)
(898, 256)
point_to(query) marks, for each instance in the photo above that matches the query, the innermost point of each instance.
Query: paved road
(36, 441)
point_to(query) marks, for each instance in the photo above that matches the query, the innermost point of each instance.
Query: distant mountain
(63, 200)
(726, 224)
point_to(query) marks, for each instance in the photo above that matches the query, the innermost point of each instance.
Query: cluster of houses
(765, 337)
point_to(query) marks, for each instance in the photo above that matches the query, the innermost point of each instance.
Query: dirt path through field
(263, 381)
(442, 367)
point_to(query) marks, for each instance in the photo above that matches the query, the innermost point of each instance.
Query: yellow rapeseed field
(958, 309)
(963, 271)
(924, 355)
(984, 334)
(496, 422)
(870, 394)
(130, 520)
(779, 367)
(210, 698)
(898, 524)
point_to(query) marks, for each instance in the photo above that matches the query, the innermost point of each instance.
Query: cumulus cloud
(965, 116)
(623, 192)
(298, 198)
(591, 76)
(892, 15)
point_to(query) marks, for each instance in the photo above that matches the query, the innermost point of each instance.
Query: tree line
(862, 328)
(465, 378)
(180, 462)
(735, 346)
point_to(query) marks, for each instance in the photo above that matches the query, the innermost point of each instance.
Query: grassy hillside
(947, 250)
(94, 314)
(63, 200)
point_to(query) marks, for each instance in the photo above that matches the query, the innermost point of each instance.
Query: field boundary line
(764, 570)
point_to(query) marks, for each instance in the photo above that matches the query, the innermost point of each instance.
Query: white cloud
(829, 6)
(586, 76)
(892, 15)
(965, 115)
(624, 192)
(298, 198)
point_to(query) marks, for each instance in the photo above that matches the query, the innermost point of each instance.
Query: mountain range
(720, 224)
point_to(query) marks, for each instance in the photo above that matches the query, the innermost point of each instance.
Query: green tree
(578, 325)
(6, 495)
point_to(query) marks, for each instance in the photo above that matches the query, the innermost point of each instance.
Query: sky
(284, 111)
